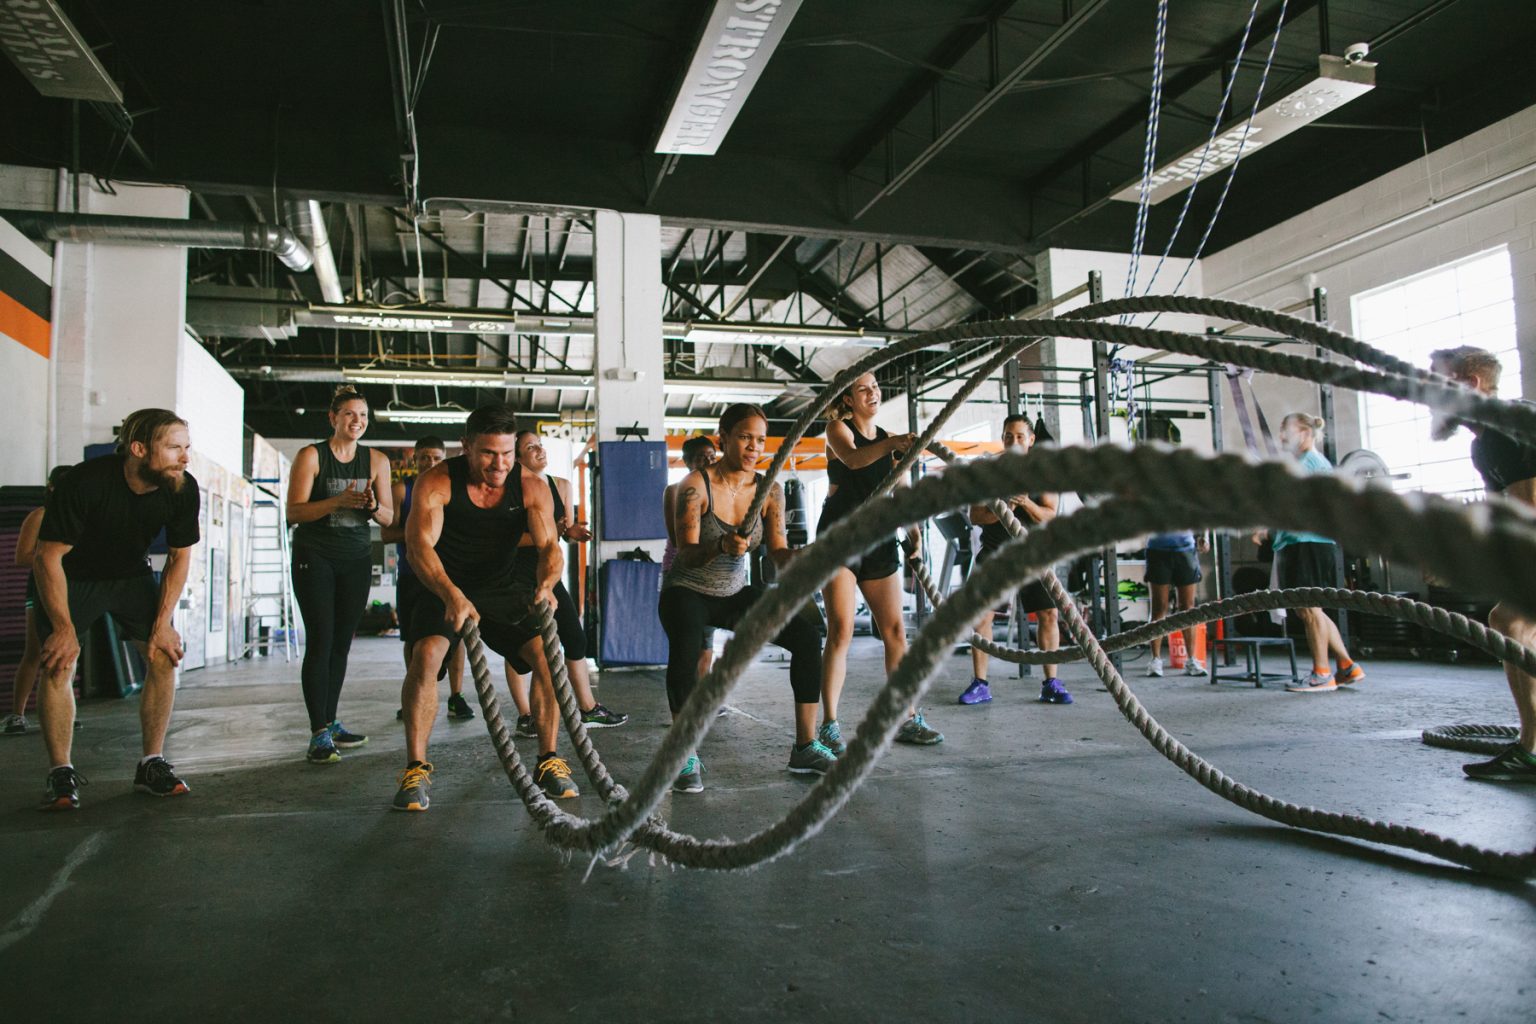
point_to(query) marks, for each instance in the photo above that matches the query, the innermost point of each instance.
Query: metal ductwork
(304, 216)
(107, 230)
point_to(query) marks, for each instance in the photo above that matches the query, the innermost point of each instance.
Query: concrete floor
(1043, 864)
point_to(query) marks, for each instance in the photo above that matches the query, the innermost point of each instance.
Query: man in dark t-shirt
(1508, 468)
(92, 559)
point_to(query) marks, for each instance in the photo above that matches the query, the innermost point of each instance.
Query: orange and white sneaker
(1317, 682)
(1353, 674)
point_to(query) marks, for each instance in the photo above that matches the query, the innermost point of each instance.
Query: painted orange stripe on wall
(25, 326)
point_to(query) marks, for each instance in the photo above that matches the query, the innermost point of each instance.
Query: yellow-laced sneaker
(414, 783)
(554, 776)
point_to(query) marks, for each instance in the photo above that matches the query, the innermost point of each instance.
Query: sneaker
(157, 778)
(1052, 692)
(830, 735)
(322, 749)
(811, 759)
(459, 708)
(599, 717)
(1155, 668)
(977, 693)
(414, 783)
(1353, 674)
(691, 778)
(1314, 683)
(1192, 667)
(62, 791)
(344, 739)
(918, 732)
(554, 776)
(1512, 765)
(15, 725)
(524, 727)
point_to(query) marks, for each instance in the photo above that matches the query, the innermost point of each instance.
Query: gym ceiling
(898, 166)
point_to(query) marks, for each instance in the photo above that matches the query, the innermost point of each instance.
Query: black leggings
(573, 635)
(332, 594)
(684, 615)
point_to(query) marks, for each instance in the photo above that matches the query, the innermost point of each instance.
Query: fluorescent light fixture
(1338, 81)
(566, 382)
(727, 390)
(429, 378)
(423, 415)
(801, 334)
(733, 49)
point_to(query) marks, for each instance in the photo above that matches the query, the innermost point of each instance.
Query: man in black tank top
(467, 515)
(1508, 468)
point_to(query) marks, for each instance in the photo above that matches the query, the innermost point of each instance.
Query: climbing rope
(1467, 546)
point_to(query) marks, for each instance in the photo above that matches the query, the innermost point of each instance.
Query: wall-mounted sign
(1338, 81)
(47, 50)
(737, 42)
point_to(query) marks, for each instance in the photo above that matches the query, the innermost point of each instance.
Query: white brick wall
(1473, 195)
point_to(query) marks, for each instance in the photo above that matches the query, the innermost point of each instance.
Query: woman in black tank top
(336, 489)
(573, 634)
(860, 456)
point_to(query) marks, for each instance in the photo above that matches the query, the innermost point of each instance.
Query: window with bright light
(1469, 302)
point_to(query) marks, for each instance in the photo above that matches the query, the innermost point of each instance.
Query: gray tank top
(722, 575)
(345, 532)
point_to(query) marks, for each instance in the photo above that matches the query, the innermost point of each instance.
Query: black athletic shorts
(1033, 596)
(408, 591)
(1179, 568)
(507, 621)
(880, 561)
(1307, 564)
(131, 603)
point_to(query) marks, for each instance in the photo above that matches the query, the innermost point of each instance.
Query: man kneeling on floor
(467, 515)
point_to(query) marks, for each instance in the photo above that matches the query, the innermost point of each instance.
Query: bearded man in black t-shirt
(1508, 468)
(92, 560)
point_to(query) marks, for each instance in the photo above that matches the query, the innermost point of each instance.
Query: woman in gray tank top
(335, 489)
(707, 583)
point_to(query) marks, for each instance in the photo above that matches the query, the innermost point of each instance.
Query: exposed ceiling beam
(1002, 85)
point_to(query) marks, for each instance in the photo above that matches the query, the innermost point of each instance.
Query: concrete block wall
(1465, 198)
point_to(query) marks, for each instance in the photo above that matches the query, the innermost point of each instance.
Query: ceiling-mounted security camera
(1357, 52)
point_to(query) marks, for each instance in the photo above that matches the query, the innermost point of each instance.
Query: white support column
(628, 363)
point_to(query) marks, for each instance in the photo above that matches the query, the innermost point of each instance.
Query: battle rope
(1470, 545)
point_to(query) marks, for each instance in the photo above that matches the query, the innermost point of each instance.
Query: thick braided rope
(1475, 739)
(1469, 544)
(1396, 379)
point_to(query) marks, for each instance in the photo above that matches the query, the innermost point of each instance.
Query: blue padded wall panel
(630, 626)
(631, 478)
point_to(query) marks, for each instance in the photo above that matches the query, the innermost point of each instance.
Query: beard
(172, 480)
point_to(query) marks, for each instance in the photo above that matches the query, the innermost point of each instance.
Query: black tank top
(343, 533)
(559, 504)
(478, 546)
(995, 535)
(856, 486)
(1501, 460)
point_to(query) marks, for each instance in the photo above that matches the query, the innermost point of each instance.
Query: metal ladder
(270, 613)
